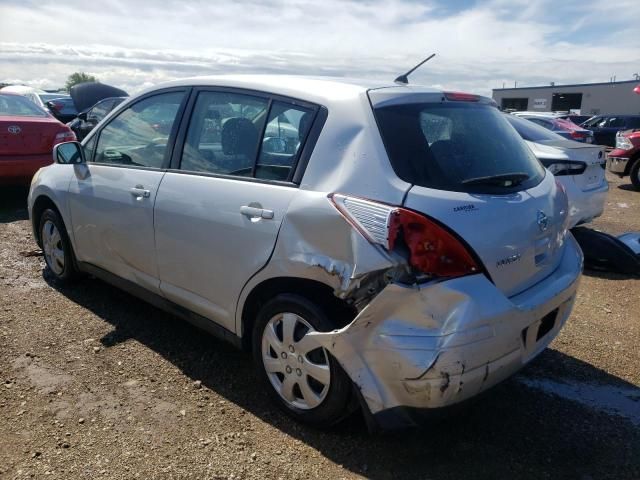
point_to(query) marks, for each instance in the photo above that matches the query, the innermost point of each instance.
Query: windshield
(457, 146)
(15, 105)
(531, 131)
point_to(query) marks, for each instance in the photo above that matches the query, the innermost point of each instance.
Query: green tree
(79, 77)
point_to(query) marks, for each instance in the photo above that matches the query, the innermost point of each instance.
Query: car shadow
(607, 275)
(512, 431)
(13, 203)
(628, 187)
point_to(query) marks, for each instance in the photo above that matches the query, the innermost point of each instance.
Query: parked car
(563, 127)
(408, 253)
(577, 166)
(37, 96)
(575, 118)
(27, 137)
(625, 158)
(605, 127)
(62, 108)
(87, 120)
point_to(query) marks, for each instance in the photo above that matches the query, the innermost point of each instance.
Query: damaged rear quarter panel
(315, 242)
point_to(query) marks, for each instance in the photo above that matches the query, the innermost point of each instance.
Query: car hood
(86, 95)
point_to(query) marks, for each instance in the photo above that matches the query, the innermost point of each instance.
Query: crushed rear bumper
(436, 345)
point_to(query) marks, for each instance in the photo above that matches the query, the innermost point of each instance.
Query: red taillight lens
(432, 249)
(66, 136)
(575, 134)
(461, 97)
(57, 106)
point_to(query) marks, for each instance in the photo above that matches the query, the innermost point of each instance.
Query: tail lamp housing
(432, 249)
(64, 136)
(564, 167)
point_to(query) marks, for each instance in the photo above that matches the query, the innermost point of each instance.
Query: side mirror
(68, 153)
(83, 116)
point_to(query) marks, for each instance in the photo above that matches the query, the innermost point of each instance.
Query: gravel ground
(97, 384)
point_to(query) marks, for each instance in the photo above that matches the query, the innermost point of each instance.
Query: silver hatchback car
(390, 247)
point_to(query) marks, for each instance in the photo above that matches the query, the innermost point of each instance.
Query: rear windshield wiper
(502, 180)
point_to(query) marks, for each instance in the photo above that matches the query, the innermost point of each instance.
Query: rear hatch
(27, 135)
(472, 172)
(591, 155)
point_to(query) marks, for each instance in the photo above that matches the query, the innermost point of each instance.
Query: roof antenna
(405, 78)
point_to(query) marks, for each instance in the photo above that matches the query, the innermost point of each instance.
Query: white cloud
(131, 44)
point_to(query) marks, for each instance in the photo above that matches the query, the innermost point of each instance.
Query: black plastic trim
(310, 144)
(233, 177)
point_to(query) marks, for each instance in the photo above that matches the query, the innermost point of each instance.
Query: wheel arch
(320, 293)
(632, 161)
(40, 204)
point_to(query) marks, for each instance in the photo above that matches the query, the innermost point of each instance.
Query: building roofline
(566, 86)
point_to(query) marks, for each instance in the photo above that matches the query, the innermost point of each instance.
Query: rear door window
(615, 122)
(456, 146)
(592, 122)
(245, 135)
(224, 133)
(283, 139)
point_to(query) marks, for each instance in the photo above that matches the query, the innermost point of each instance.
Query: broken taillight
(432, 249)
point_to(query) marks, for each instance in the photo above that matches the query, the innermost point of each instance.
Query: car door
(111, 197)
(219, 209)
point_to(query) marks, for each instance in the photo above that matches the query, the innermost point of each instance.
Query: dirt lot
(97, 384)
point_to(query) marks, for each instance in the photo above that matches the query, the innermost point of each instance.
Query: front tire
(58, 253)
(302, 378)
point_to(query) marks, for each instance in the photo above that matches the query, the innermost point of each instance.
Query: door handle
(255, 212)
(140, 192)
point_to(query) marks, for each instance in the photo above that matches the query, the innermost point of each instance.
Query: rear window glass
(19, 106)
(453, 146)
(46, 97)
(531, 131)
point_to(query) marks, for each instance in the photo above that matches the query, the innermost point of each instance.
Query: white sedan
(579, 167)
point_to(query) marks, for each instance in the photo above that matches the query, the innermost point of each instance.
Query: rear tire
(635, 174)
(58, 253)
(304, 380)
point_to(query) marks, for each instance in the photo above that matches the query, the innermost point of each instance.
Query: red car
(27, 137)
(625, 158)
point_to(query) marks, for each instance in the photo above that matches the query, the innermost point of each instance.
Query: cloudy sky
(479, 44)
